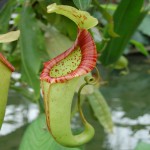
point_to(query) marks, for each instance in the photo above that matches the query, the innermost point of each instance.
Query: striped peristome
(87, 47)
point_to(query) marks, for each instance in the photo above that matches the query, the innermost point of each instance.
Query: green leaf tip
(101, 110)
(82, 18)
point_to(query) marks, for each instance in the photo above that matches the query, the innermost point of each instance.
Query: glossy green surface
(4, 85)
(58, 98)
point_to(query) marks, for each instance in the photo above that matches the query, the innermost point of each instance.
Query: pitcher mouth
(6, 62)
(79, 59)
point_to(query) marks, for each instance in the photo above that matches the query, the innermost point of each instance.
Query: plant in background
(127, 17)
(5, 72)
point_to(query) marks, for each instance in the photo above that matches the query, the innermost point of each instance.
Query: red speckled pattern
(88, 61)
(5, 61)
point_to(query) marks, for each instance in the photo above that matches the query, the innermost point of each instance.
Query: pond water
(128, 97)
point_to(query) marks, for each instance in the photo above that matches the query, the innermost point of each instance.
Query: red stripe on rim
(6, 62)
(89, 56)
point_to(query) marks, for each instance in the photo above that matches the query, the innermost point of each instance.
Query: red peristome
(6, 62)
(89, 56)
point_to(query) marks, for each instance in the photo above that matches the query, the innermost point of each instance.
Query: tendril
(89, 80)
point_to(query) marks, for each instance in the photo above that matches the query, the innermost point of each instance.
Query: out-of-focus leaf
(101, 110)
(143, 146)
(70, 31)
(127, 17)
(140, 38)
(144, 27)
(9, 37)
(121, 63)
(109, 19)
(32, 48)
(56, 43)
(140, 47)
(67, 27)
(97, 37)
(110, 7)
(82, 4)
(37, 137)
(24, 91)
(5, 14)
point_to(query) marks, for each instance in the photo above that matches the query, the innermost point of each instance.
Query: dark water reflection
(129, 99)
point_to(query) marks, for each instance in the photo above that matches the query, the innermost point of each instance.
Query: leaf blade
(140, 47)
(101, 110)
(5, 15)
(82, 4)
(126, 19)
(32, 44)
(36, 137)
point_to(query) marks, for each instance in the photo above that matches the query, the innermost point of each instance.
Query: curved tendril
(89, 80)
(79, 101)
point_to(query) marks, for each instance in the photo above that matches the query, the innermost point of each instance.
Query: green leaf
(108, 18)
(143, 146)
(32, 49)
(82, 4)
(140, 47)
(110, 7)
(37, 137)
(144, 27)
(101, 110)
(97, 37)
(56, 43)
(5, 15)
(9, 37)
(127, 17)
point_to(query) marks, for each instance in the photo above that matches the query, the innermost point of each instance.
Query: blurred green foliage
(127, 17)
(142, 146)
